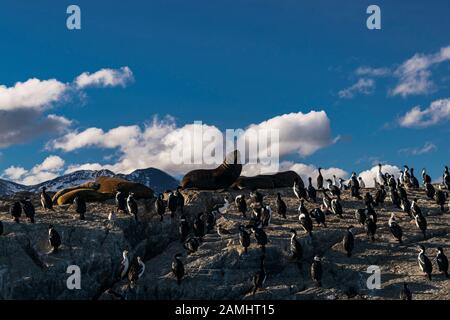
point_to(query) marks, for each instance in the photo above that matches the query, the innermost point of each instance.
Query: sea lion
(268, 181)
(87, 185)
(89, 195)
(221, 177)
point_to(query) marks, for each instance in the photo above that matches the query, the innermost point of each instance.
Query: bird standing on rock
(261, 236)
(160, 206)
(121, 201)
(80, 206)
(395, 228)
(424, 262)
(296, 247)
(371, 227)
(132, 206)
(54, 239)
(124, 265)
(349, 241)
(281, 206)
(15, 210)
(317, 271)
(180, 199)
(422, 224)
(441, 197)
(172, 203)
(178, 268)
(136, 272)
(46, 201)
(442, 261)
(306, 222)
(183, 228)
(244, 238)
(312, 193)
(199, 226)
(299, 190)
(241, 204)
(28, 209)
(319, 216)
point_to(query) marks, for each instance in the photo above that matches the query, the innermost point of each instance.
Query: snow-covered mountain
(153, 178)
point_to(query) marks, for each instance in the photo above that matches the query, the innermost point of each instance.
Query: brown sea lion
(221, 177)
(89, 195)
(87, 185)
(268, 181)
(112, 185)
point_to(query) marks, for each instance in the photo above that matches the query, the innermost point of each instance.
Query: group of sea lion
(227, 175)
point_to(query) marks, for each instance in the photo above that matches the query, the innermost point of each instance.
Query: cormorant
(241, 204)
(28, 209)
(244, 238)
(260, 277)
(442, 261)
(53, 238)
(281, 206)
(349, 241)
(316, 271)
(160, 206)
(178, 268)
(424, 262)
(395, 228)
(312, 194)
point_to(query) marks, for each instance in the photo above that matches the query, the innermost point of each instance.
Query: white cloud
(426, 148)
(86, 166)
(415, 76)
(24, 106)
(437, 112)
(33, 93)
(299, 133)
(363, 86)
(370, 174)
(49, 169)
(105, 78)
(372, 72)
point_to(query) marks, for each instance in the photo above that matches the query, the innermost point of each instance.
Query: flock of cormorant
(192, 234)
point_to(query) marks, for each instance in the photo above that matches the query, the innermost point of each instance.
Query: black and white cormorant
(361, 216)
(335, 191)
(183, 228)
(46, 201)
(371, 227)
(306, 222)
(348, 242)
(395, 228)
(319, 216)
(256, 197)
(405, 293)
(368, 199)
(425, 177)
(80, 206)
(211, 218)
(160, 206)
(178, 268)
(15, 210)
(54, 238)
(172, 204)
(260, 236)
(380, 196)
(421, 223)
(405, 205)
(355, 186)
(199, 226)
(299, 190)
(441, 198)
(244, 238)
(317, 271)
(266, 215)
(326, 200)
(413, 180)
(281, 206)
(320, 180)
(336, 207)
(295, 246)
(180, 199)
(260, 277)
(241, 205)
(121, 201)
(425, 264)
(395, 198)
(442, 261)
(28, 209)
(312, 193)
(132, 206)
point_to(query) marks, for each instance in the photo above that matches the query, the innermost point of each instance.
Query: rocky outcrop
(219, 269)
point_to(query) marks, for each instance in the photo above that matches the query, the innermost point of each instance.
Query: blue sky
(232, 64)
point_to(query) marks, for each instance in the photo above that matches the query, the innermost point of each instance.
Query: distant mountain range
(155, 179)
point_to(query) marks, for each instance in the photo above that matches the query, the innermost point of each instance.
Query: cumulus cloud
(369, 175)
(364, 86)
(415, 73)
(426, 148)
(33, 93)
(105, 78)
(158, 142)
(49, 169)
(24, 106)
(437, 112)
